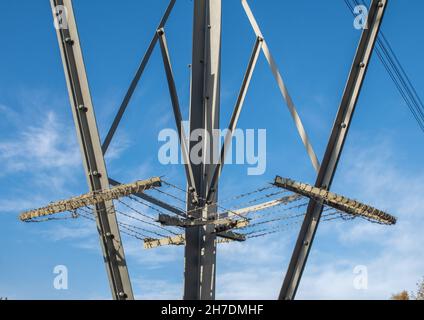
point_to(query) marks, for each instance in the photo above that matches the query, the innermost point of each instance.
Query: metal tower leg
(200, 250)
(91, 150)
(334, 148)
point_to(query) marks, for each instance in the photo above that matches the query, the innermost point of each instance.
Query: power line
(397, 73)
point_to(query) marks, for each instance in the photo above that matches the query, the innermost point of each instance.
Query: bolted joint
(122, 295)
(160, 32)
(109, 235)
(95, 174)
(260, 39)
(69, 41)
(82, 108)
(362, 65)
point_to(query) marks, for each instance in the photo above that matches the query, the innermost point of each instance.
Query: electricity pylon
(202, 179)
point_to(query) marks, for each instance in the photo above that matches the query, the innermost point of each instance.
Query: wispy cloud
(120, 143)
(154, 289)
(82, 230)
(45, 145)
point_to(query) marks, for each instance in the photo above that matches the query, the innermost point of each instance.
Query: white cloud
(80, 230)
(153, 289)
(253, 269)
(48, 145)
(119, 144)
(44, 151)
(153, 258)
(262, 283)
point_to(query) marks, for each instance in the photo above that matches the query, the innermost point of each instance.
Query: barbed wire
(203, 199)
(133, 234)
(247, 194)
(155, 224)
(266, 232)
(171, 196)
(267, 196)
(263, 221)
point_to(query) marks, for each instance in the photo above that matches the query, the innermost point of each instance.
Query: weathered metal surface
(336, 201)
(92, 198)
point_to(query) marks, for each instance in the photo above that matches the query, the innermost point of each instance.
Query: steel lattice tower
(202, 179)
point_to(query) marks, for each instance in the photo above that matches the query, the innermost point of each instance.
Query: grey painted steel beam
(282, 86)
(235, 116)
(88, 137)
(334, 148)
(200, 247)
(177, 112)
(136, 79)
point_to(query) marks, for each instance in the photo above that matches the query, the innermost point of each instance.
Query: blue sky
(313, 42)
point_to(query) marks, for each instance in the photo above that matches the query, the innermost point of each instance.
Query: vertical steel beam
(334, 148)
(200, 249)
(91, 150)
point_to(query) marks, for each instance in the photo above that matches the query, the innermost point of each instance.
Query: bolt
(96, 174)
(306, 243)
(109, 235)
(82, 108)
(362, 65)
(380, 4)
(122, 294)
(69, 41)
(343, 125)
(160, 31)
